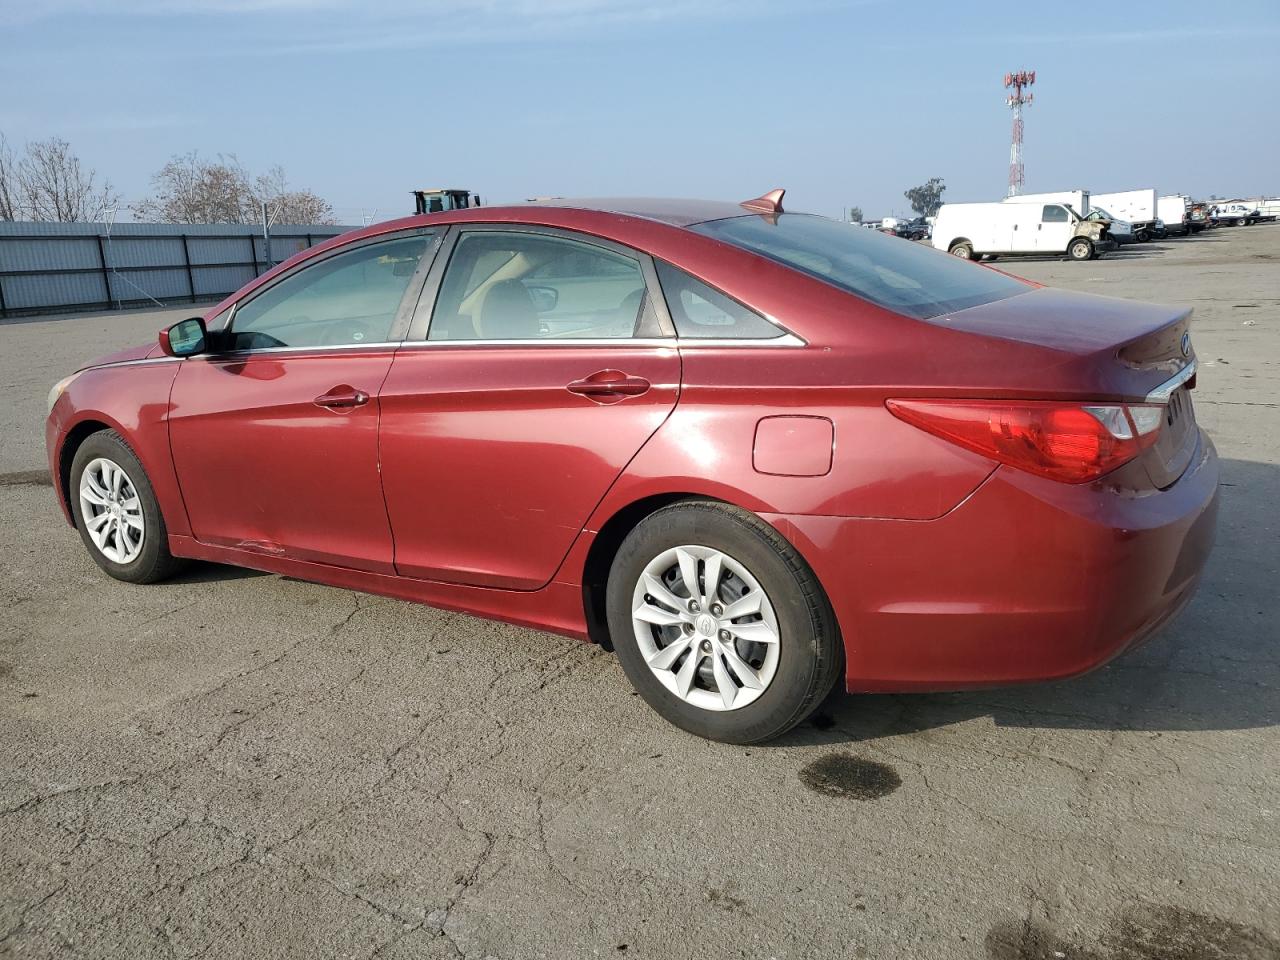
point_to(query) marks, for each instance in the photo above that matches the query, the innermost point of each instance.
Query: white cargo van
(1121, 231)
(973, 230)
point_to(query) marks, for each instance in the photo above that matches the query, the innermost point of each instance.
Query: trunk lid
(1107, 349)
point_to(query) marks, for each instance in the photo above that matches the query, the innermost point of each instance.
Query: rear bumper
(1025, 580)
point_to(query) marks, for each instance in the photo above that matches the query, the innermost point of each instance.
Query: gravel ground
(241, 765)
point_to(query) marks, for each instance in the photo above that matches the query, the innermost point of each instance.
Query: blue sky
(841, 103)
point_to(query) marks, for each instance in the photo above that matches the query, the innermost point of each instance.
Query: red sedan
(749, 450)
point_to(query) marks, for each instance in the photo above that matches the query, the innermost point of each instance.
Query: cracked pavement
(243, 765)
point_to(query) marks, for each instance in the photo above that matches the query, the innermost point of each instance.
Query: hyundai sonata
(754, 452)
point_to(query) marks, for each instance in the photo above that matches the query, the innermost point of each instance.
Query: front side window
(1054, 214)
(701, 311)
(898, 275)
(345, 299)
(529, 286)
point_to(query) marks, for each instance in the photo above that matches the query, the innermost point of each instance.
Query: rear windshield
(900, 275)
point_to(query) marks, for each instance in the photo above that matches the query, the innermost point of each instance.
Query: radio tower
(1016, 101)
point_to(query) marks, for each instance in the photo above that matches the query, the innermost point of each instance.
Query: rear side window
(1054, 214)
(529, 286)
(702, 311)
(899, 275)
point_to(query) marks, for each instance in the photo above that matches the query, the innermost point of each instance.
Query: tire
(1142, 236)
(143, 560)
(962, 250)
(790, 674)
(1242, 222)
(1080, 249)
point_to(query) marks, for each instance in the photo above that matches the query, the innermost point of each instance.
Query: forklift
(437, 201)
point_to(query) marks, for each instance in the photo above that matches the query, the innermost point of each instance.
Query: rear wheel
(116, 511)
(1143, 236)
(719, 624)
(1080, 249)
(963, 250)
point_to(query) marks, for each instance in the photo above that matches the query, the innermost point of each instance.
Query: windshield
(1097, 213)
(899, 275)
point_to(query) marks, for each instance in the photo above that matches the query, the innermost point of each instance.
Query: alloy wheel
(112, 510)
(705, 627)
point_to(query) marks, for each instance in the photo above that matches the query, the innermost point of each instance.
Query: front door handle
(342, 397)
(609, 386)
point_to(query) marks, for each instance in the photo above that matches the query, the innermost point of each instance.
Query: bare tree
(53, 186)
(10, 191)
(189, 189)
(289, 206)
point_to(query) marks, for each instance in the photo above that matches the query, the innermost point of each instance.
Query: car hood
(140, 352)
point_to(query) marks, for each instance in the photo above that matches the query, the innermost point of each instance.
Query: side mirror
(185, 338)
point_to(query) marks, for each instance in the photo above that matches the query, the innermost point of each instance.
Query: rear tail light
(1074, 443)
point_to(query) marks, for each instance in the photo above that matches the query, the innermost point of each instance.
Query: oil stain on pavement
(844, 775)
(26, 478)
(1147, 932)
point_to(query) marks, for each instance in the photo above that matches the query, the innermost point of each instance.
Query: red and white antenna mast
(1016, 100)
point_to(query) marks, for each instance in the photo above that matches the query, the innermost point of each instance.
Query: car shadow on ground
(1216, 667)
(198, 571)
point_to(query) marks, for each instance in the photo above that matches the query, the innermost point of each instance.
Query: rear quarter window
(900, 275)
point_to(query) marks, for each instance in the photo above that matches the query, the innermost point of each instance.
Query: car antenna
(770, 202)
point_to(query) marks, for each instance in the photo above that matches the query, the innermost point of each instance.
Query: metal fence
(65, 267)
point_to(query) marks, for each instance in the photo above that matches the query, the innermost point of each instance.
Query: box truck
(1136, 206)
(974, 230)
(1175, 210)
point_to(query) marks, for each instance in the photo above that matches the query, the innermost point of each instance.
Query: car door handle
(609, 386)
(342, 397)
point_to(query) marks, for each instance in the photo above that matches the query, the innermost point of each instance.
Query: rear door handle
(342, 397)
(609, 386)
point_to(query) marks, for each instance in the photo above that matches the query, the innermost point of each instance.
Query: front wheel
(1080, 250)
(962, 250)
(1242, 222)
(719, 624)
(116, 511)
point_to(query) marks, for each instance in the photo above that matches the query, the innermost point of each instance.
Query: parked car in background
(653, 424)
(974, 230)
(1198, 218)
(917, 229)
(1138, 207)
(1234, 213)
(1121, 231)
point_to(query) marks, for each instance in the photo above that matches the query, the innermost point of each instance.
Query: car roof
(676, 211)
